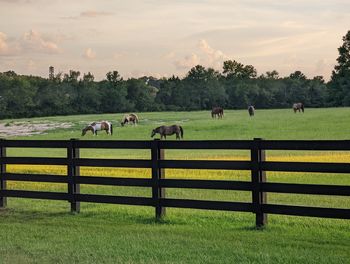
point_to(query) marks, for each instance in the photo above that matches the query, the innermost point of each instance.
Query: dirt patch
(12, 129)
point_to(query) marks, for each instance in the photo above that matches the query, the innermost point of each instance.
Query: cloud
(89, 54)
(204, 54)
(3, 44)
(187, 62)
(92, 13)
(32, 40)
(6, 48)
(169, 55)
(214, 58)
(89, 14)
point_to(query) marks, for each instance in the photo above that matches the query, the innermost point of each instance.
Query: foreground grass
(118, 234)
(35, 231)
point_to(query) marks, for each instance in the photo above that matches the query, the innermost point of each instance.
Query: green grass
(37, 231)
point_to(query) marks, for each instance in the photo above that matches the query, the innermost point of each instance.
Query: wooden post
(3, 200)
(258, 177)
(157, 174)
(73, 171)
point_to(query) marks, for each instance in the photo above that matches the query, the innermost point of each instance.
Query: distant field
(33, 231)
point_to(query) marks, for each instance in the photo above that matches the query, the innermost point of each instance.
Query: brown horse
(168, 131)
(130, 118)
(96, 126)
(217, 112)
(298, 107)
(251, 110)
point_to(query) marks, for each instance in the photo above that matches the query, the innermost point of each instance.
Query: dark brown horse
(168, 131)
(217, 112)
(298, 107)
(251, 110)
(130, 118)
(96, 126)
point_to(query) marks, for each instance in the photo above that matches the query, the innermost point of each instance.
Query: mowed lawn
(38, 231)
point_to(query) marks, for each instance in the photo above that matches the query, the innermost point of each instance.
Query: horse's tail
(222, 112)
(181, 131)
(302, 107)
(111, 128)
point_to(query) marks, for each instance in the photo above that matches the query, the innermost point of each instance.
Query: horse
(251, 110)
(168, 131)
(217, 111)
(130, 118)
(298, 107)
(96, 126)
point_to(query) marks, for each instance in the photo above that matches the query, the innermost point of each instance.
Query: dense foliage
(237, 86)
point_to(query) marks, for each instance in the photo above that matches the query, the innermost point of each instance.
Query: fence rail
(258, 186)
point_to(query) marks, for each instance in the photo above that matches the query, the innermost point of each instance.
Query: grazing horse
(217, 111)
(130, 118)
(168, 131)
(298, 107)
(251, 110)
(96, 126)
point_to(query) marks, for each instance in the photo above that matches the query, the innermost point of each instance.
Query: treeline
(237, 86)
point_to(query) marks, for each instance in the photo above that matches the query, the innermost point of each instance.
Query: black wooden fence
(258, 166)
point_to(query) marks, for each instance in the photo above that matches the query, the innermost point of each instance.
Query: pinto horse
(130, 118)
(168, 131)
(251, 110)
(298, 107)
(96, 126)
(217, 112)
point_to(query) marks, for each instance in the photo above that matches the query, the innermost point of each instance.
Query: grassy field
(33, 231)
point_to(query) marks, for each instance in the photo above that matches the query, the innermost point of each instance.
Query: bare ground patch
(23, 128)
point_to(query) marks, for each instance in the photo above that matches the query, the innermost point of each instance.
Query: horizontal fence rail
(257, 165)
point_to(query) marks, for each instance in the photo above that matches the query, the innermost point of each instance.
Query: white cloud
(187, 62)
(33, 40)
(89, 54)
(214, 57)
(8, 48)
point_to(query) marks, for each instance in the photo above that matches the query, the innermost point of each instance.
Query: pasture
(34, 231)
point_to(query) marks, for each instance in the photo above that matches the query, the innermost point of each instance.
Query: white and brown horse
(97, 126)
(130, 118)
(168, 131)
(298, 107)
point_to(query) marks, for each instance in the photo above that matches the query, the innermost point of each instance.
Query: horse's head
(153, 133)
(122, 123)
(83, 132)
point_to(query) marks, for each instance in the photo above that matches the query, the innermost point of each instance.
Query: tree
(238, 70)
(339, 86)
(88, 77)
(298, 75)
(72, 76)
(272, 74)
(113, 77)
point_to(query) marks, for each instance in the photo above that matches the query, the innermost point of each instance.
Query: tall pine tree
(339, 86)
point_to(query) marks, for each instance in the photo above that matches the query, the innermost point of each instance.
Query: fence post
(258, 177)
(157, 174)
(73, 171)
(3, 199)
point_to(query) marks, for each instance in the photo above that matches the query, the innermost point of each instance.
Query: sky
(161, 37)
